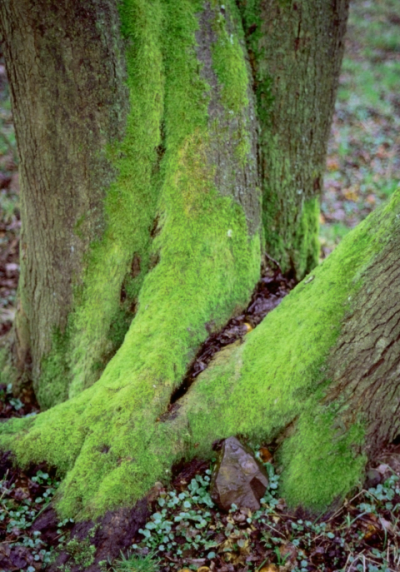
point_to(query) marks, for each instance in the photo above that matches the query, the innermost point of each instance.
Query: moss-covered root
(321, 370)
(113, 446)
(206, 256)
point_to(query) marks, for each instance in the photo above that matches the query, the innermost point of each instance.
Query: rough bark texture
(365, 366)
(296, 48)
(126, 175)
(69, 102)
(231, 112)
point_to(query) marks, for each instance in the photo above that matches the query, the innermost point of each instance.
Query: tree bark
(85, 250)
(93, 243)
(296, 50)
(69, 102)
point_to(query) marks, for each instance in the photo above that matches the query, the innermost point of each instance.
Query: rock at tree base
(238, 478)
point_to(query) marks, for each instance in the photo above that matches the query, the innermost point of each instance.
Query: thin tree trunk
(296, 50)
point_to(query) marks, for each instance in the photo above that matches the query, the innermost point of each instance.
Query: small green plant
(82, 551)
(135, 564)
(187, 520)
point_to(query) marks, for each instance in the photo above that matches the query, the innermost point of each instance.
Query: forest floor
(186, 531)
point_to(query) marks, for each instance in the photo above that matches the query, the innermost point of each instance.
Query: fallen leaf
(269, 568)
(265, 455)
(332, 164)
(352, 193)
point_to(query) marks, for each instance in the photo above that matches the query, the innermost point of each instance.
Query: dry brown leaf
(270, 568)
(265, 455)
(332, 164)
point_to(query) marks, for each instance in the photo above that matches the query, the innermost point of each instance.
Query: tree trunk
(179, 248)
(109, 108)
(185, 170)
(296, 50)
(69, 103)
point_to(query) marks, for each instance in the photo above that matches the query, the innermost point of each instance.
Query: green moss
(321, 462)
(306, 243)
(278, 377)
(81, 551)
(102, 437)
(55, 376)
(229, 64)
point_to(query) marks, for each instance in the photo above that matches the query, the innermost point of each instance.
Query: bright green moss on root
(278, 377)
(321, 462)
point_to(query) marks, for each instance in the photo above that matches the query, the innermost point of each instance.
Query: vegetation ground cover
(363, 164)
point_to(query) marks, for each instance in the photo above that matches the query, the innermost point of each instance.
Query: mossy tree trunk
(296, 50)
(171, 248)
(70, 102)
(97, 117)
(138, 152)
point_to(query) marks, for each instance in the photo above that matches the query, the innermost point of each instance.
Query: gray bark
(69, 100)
(296, 49)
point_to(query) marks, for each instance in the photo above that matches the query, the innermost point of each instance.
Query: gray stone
(238, 478)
